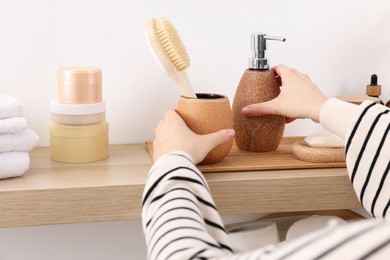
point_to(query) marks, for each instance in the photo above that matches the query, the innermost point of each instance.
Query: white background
(338, 43)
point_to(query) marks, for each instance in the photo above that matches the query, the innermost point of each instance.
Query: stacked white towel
(16, 140)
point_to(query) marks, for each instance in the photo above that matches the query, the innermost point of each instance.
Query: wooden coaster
(306, 153)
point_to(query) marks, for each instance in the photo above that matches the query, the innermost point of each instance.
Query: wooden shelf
(56, 193)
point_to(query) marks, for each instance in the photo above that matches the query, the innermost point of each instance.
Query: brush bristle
(171, 42)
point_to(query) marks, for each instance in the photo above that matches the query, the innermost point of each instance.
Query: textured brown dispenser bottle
(263, 133)
(258, 84)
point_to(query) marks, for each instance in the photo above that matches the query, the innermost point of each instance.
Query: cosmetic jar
(78, 114)
(78, 144)
(79, 85)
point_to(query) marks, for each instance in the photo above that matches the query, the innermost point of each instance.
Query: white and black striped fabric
(180, 219)
(368, 157)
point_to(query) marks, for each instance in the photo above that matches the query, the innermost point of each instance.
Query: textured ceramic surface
(306, 153)
(263, 133)
(206, 114)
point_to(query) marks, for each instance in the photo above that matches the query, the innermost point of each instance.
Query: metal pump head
(258, 61)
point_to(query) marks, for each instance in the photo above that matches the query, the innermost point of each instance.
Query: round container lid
(85, 131)
(79, 74)
(77, 109)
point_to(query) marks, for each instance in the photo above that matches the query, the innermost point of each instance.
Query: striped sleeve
(368, 158)
(180, 220)
(365, 129)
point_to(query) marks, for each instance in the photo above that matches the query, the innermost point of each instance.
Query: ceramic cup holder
(206, 114)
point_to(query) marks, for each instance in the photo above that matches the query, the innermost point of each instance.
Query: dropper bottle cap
(259, 61)
(373, 90)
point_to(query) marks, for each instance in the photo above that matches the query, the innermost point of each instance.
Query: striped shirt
(181, 221)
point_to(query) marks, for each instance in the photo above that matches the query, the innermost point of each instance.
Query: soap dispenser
(258, 84)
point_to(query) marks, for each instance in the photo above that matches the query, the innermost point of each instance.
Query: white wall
(338, 43)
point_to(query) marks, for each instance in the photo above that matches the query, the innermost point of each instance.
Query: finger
(285, 73)
(158, 127)
(260, 109)
(171, 114)
(214, 139)
(281, 70)
(305, 76)
(176, 119)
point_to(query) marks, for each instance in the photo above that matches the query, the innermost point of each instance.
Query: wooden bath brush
(171, 53)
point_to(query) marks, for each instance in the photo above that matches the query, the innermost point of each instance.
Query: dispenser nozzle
(258, 60)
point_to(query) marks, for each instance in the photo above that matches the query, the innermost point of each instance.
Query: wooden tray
(280, 159)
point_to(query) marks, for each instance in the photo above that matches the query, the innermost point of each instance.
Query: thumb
(260, 109)
(214, 139)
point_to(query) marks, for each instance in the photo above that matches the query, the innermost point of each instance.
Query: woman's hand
(299, 97)
(172, 134)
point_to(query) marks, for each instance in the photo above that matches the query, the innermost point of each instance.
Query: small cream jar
(78, 144)
(78, 114)
(79, 85)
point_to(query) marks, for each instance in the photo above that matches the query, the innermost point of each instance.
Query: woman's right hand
(172, 134)
(299, 97)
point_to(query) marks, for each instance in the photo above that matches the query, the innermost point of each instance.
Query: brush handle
(182, 83)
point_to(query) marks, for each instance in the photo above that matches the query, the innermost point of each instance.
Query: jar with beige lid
(78, 127)
(79, 85)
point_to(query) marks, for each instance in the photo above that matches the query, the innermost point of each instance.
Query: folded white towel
(13, 125)
(23, 141)
(311, 224)
(324, 139)
(248, 236)
(10, 107)
(13, 164)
